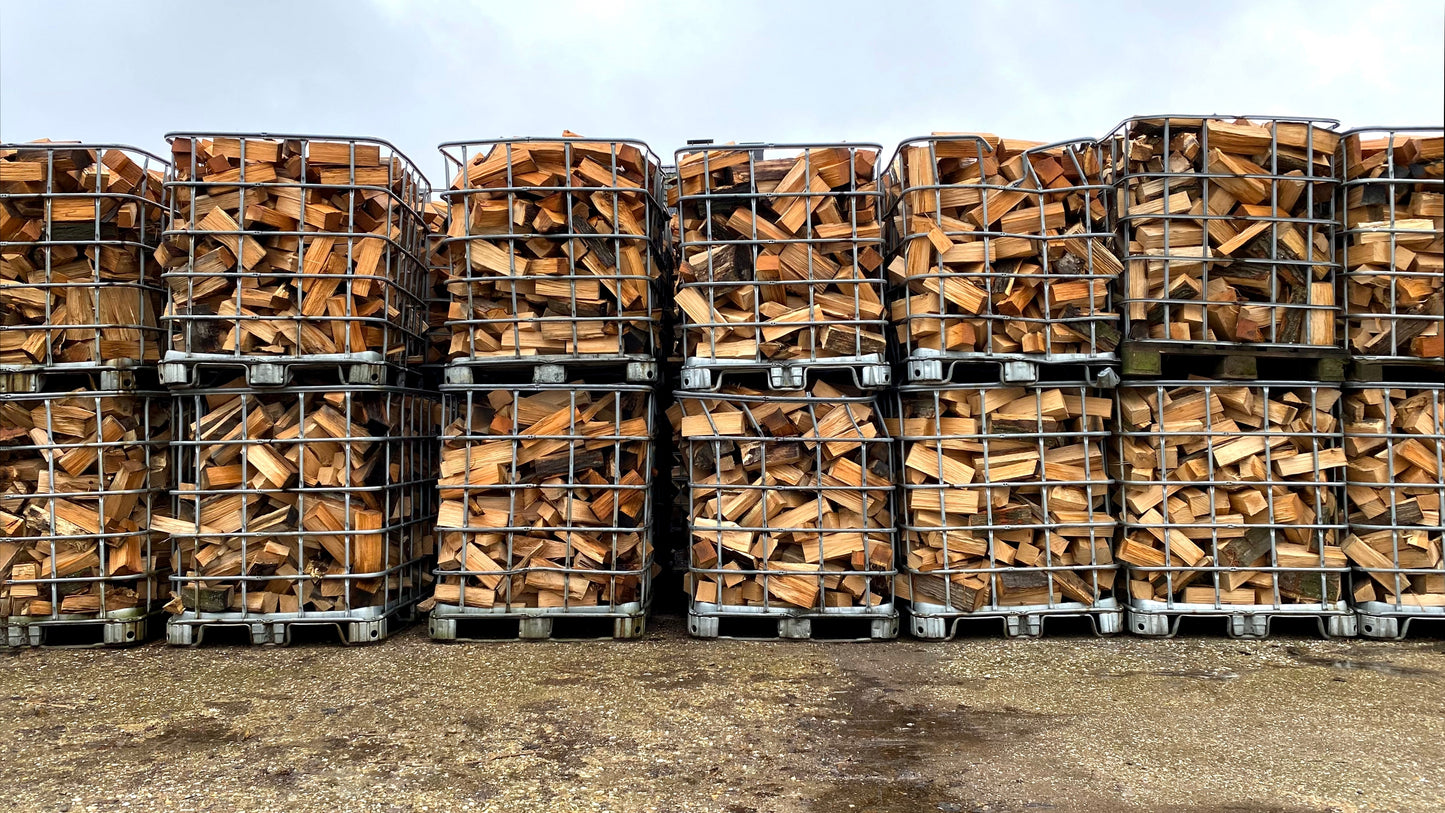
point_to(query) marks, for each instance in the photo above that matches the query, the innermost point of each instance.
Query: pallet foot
(1379, 627)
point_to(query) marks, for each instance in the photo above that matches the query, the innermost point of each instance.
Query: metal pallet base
(1384, 621)
(1145, 359)
(464, 372)
(705, 620)
(1157, 619)
(181, 370)
(870, 372)
(189, 628)
(452, 623)
(32, 379)
(932, 367)
(80, 632)
(938, 623)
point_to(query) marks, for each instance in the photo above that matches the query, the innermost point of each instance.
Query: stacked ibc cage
(304, 448)
(1001, 262)
(1392, 248)
(788, 473)
(83, 425)
(1230, 433)
(555, 250)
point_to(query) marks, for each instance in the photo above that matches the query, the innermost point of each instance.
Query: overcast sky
(419, 73)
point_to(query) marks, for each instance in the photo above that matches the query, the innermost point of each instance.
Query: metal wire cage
(78, 284)
(1228, 230)
(305, 504)
(790, 504)
(83, 474)
(556, 250)
(1392, 243)
(294, 248)
(1230, 498)
(781, 255)
(1006, 504)
(1001, 250)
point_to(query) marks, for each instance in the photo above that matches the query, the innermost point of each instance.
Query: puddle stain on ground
(1357, 664)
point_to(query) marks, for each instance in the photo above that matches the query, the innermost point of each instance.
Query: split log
(1222, 483)
(1228, 229)
(781, 257)
(77, 228)
(439, 335)
(1005, 247)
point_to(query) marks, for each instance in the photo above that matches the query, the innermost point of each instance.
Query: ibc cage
(1395, 442)
(294, 248)
(546, 504)
(555, 247)
(1231, 504)
(1392, 243)
(1006, 506)
(790, 507)
(78, 225)
(781, 258)
(1002, 250)
(83, 474)
(308, 504)
(1228, 227)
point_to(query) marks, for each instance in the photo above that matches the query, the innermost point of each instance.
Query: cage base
(935, 622)
(276, 629)
(1157, 619)
(706, 620)
(870, 372)
(452, 623)
(1404, 369)
(184, 370)
(1156, 358)
(934, 367)
(31, 379)
(1381, 620)
(552, 369)
(80, 632)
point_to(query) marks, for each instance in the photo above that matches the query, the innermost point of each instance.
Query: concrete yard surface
(667, 723)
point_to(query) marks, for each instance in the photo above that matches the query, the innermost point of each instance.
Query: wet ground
(1195, 725)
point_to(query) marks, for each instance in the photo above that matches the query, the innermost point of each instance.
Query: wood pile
(1004, 247)
(1220, 481)
(81, 475)
(1000, 483)
(259, 264)
(300, 500)
(546, 498)
(1229, 230)
(439, 335)
(790, 497)
(1395, 486)
(1394, 246)
(553, 248)
(77, 227)
(781, 257)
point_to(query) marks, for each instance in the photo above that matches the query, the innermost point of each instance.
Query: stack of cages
(305, 447)
(556, 251)
(1231, 494)
(83, 425)
(785, 474)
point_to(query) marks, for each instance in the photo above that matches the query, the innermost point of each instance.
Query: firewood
(1395, 491)
(790, 499)
(998, 483)
(1228, 230)
(1394, 247)
(1231, 478)
(305, 499)
(546, 497)
(553, 248)
(81, 476)
(258, 264)
(1004, 247)
(77, 228)
(439, 335)
(781, 257)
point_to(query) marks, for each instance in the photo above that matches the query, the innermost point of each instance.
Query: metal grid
(1224, 250)
(555, 247)
(1218, 518)
(311, 504)
(546, 501)
(78, 284)
(294, 248)
(760, 282)
(1001, 250)
(83, 474)
(1006, 504)
(1392, 243)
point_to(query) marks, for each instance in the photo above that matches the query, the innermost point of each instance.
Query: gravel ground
(1196, 725)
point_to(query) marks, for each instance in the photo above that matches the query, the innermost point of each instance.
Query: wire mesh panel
(1231, 497)
(1229, 230)
(78, 285)
(82, 476)
(1004, 249)
(781, 254)
(1393, 243)
(307, 503)
(1006, 505)
(1395, 443)
(294, 248)
(555, 249)
(546, 501)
